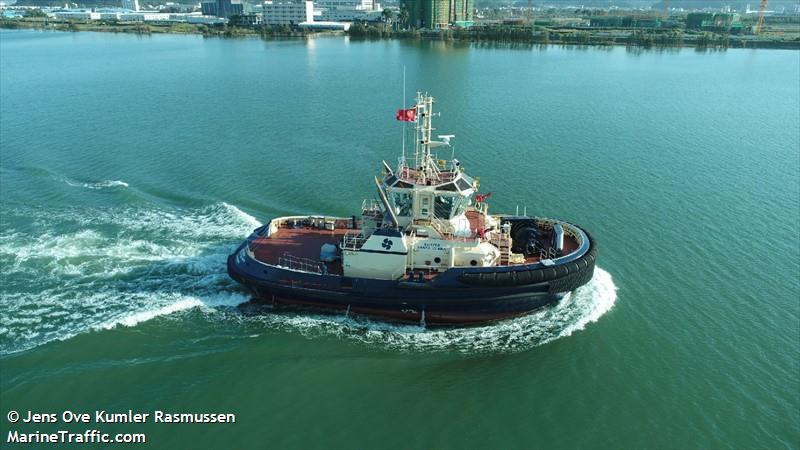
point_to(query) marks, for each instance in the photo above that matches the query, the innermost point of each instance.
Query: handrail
(353, 240)
(370, 204)
(445, 228)
(547, 253)
(302, 264)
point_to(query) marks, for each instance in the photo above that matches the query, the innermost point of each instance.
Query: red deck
(306, 243)
(298, 242)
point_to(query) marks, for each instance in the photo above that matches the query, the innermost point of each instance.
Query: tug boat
(426, 250)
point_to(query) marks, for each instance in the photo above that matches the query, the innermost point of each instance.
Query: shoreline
(513, 36)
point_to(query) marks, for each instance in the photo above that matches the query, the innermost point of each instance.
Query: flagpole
(404, 107)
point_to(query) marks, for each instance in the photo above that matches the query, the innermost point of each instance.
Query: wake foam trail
(116, 267)
(243, 217)
(104, 184)
(181, 303)
(573, 313)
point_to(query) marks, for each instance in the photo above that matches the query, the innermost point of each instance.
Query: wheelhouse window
(463, 184)
(443, 206)
(402, 203)
(459, 206)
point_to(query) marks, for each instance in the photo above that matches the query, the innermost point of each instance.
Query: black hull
(439, 311)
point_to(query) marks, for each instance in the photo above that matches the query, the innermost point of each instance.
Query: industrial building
(719, 22)
(435, 14)
(125, 15)
(625, 22)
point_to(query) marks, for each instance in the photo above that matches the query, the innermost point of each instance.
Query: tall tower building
(463, 13)
(133, 5)
(222, 8)
(439, 13)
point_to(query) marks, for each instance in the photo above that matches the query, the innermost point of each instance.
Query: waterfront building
(198, 18)
(287, 12)
(631, 22)
(12, 13)
(222, 8)
(76, 14)
(132, 5)
(110, 15)
(145, 16)
(434, 14)
(134, 16)
(694, 21)
(606, 21)
(246, 20)
(719, 22)
(647, 22)
(348, 10)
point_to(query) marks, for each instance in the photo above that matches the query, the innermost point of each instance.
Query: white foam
(123, 267)
(208, 303)
(573, 313)
(143, 316)
(229, 299)
(97, 185)
(601, 294)
(213, 222)
(243, 216)
(129, 239)
(87, 252)
(29, 330)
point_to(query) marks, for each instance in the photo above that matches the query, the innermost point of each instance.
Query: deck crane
(761, 10)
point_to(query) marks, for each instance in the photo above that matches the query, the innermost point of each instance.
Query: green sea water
(131, 166)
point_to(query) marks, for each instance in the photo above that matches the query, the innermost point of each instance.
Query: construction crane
(530, 12)
(761, 10)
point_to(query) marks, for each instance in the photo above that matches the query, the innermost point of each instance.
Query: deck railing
(353, 240)
(301, 264)
(547, 253)
(443, 227)
(370, 207)
(569, 229)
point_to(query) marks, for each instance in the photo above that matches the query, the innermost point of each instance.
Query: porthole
(473, 263)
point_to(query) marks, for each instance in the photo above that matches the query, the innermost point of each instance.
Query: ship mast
(425, 166)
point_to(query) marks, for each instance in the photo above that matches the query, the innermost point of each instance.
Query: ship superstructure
(428, 203)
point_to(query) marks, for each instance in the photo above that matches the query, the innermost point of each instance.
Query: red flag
(406, 115)
(480, 198)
